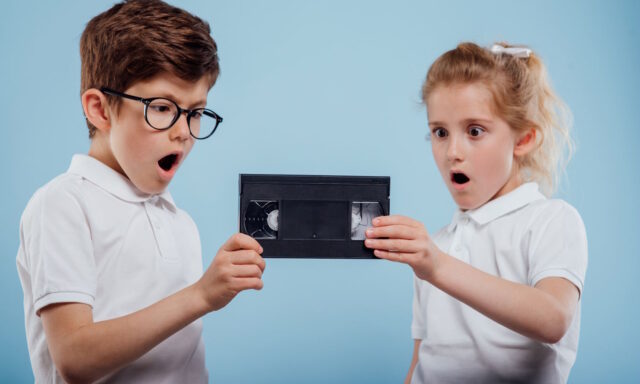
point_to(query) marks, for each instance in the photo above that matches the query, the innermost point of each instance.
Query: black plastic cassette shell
(315, 189)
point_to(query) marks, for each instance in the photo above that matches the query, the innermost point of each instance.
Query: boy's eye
(161, 108)
(476, 131)
(196, 115)
(439, 132)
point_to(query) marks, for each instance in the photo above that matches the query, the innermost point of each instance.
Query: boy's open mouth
(168, 161)
(459, 178)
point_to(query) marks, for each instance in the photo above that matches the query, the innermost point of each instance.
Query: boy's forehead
(168, 85)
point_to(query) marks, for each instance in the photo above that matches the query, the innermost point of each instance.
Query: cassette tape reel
(312, 216)
(261, 219)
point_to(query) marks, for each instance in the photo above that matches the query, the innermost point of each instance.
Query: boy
(111, 269)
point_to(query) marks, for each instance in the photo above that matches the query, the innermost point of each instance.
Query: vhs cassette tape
(312, 216)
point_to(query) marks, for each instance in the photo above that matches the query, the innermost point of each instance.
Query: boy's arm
(543, 312)
(414, 361)
(84, 351)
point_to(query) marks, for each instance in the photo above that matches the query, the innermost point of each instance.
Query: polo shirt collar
(113, 182)
(516, 199)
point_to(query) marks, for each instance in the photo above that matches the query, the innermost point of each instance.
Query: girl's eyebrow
(477, 120)
(467, 121)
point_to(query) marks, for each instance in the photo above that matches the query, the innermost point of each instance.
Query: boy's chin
(150, 188)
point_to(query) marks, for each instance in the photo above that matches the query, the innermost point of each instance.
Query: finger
(397, 245)
(395, 219)
(241, 241)
(398, 257)
(247, 257)
(250, 270)
(392, 231)
(242, 284)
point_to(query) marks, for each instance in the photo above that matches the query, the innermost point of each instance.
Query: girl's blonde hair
(522, 96)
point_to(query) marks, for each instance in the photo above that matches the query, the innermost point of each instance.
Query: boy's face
(135, 149)
(473, 148)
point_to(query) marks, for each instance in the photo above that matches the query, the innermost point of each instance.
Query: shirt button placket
(155, 223)
(460, 251)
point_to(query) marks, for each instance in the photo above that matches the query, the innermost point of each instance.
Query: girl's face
(473, 148)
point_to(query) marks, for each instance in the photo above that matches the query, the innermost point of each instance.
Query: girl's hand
(402, 239)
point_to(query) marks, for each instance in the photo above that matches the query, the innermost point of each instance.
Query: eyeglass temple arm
(116, 93)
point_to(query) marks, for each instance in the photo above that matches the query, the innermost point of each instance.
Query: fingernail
(369, 232)
(376, 220)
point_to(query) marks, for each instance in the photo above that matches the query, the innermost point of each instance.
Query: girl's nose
(454, 150)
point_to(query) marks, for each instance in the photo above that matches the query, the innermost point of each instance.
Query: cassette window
(362, 214)
(261, 219)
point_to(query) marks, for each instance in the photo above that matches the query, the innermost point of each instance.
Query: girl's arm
(543, 312)
(414, 361)
(84, 351)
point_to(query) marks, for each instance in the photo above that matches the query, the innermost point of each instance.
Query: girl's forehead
(460, 99)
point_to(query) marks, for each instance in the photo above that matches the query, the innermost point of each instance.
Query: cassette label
(314, 219)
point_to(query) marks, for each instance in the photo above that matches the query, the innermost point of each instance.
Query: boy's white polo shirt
(90, 236)
(522, 237)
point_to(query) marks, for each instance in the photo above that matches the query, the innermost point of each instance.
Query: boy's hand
(237, 266)
(402, 239)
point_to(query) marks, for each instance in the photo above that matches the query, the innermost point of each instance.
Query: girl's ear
(96, 109)
(526, 142)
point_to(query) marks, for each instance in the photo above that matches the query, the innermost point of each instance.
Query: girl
(496, 292)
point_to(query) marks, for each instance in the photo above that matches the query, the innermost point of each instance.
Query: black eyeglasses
(162, 113)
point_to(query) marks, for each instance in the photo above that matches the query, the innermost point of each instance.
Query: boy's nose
(180, 130)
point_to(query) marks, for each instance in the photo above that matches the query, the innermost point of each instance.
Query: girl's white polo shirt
(90, 236)
(522, 237)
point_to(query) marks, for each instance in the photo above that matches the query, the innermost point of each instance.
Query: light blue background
(333, 87)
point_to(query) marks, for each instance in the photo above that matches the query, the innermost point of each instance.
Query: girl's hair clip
(519, 52)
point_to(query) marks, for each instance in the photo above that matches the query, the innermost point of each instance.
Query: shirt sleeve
(58, 248)
(418, 326)
(558, 246)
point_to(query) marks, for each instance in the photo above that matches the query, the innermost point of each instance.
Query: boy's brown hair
(138, 39)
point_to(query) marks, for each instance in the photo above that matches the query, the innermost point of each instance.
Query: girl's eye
(439, 132)
(476, 131)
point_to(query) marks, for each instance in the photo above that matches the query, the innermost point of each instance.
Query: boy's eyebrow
(197, 104)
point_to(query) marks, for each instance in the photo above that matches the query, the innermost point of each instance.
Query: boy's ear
(526, 142)
(96, 109)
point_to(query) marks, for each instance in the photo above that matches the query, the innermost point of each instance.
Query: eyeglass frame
(147, 101)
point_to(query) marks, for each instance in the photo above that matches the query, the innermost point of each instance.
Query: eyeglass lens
(161, 113)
